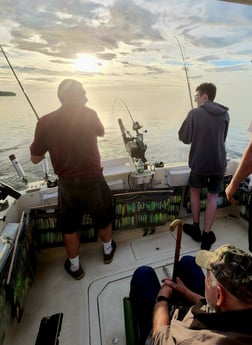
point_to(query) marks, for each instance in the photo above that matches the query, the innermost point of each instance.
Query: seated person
(218, 313)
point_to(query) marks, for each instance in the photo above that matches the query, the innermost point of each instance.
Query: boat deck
(93, 307)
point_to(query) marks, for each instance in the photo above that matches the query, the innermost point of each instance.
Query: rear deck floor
(93, 307)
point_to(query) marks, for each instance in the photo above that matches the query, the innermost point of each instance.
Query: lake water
(160, 115)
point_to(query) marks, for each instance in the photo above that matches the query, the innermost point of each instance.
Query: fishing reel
(134, 145)
(136, 126)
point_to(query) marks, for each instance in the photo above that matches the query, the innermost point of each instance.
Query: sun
(87, 63)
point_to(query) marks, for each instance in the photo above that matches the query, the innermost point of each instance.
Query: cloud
(60, 61)
(106, 56)
(62, 30)
(137, 36)
(231, 68)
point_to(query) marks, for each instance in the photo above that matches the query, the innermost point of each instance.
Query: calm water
(158, 116)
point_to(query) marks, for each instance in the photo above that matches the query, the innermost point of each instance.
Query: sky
(128, 43)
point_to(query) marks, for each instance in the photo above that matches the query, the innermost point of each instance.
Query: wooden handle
(176, 223)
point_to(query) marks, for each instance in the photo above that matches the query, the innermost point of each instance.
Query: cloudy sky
(131, 42)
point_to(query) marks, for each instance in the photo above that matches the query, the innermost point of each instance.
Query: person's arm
(185, 132)
(161, 311)
(161, 316)
(37, 159)
(243, 170)
(97, 125)
(38, 147)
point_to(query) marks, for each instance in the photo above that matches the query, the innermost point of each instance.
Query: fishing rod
(186, 71)
(134, 145)
(127, 109)
(13, 160)
(136, 125)
(21, 86)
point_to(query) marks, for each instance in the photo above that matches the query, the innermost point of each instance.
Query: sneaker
(208, 238)
(193, 231)
(77, 274)
(107, 258)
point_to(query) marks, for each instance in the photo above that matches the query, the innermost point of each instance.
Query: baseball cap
(232, 267)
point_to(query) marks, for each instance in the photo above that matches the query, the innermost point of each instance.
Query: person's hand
(230, 193)
(166, 291)
(181, 289)
(177, 286)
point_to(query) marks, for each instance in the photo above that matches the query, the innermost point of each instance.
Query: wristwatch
(162, 298)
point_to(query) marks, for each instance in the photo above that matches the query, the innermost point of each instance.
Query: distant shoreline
(7, 93)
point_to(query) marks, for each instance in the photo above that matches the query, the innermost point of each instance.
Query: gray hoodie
(205, 128)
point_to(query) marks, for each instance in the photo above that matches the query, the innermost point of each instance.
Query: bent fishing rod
(12, 157)
(134, 145)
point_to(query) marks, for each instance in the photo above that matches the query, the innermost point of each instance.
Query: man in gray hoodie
(205, 128)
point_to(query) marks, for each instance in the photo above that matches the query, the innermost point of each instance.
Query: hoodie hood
(214, 108)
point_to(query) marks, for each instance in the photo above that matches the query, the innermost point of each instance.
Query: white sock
(75, 263)
(107, 247)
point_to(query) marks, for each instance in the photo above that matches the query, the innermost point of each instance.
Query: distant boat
(7, 93)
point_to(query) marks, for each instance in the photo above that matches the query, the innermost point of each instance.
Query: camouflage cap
(232, 267)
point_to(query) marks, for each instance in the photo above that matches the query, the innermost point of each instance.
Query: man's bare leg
(193, 230)
(210, 211)
(208, 236)
(109, 246)
(72, 264)
(195, 204)
(72, 244)
(106, 233)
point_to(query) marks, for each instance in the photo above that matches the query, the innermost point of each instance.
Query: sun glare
(87, 63)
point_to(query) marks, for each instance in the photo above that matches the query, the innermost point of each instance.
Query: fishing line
(113, 106)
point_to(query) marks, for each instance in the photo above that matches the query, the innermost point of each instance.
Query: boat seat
(130, 327)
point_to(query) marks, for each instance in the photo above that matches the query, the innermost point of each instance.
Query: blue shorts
(214, 183)
(84, 195)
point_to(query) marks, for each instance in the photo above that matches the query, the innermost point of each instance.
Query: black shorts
(84, 195)
(214, 183)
